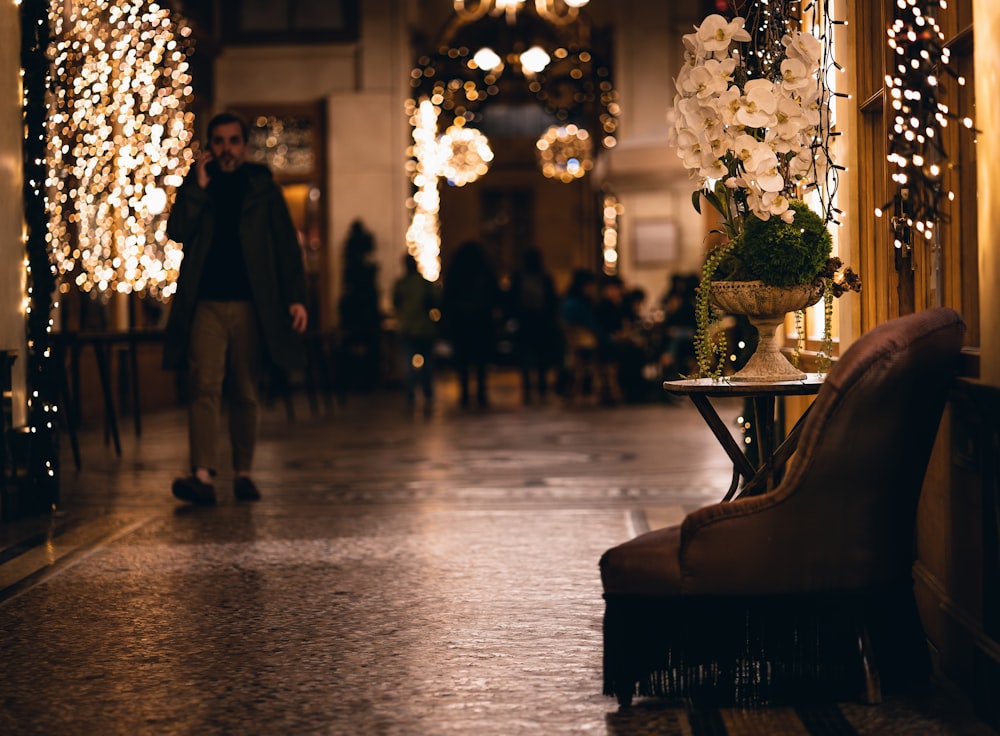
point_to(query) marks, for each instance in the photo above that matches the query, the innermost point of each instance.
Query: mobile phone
(212, 168)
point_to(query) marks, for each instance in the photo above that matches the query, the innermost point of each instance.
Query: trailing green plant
(710, 344)
(799, 337)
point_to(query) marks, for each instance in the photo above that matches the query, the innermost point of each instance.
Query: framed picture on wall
(655, 242)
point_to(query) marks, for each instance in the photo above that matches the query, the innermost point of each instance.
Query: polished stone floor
(405, 573)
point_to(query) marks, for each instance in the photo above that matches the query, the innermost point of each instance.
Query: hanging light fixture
(530, 52)
(466, 155)
(554, 11)
(487, 59)
(534, 60)
(565, 152)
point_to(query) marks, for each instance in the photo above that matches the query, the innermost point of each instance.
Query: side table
(772, 459)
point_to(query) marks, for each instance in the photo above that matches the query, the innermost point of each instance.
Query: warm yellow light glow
(535, 60)
(556, 11)
(611, 211)
(565, 152)
(423, 240)
(487, 58)
(466, 155)
(118, 143)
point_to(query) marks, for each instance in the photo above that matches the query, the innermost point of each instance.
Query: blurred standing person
(470, 299)
(536, 309)
(416, 301)
(240, 301)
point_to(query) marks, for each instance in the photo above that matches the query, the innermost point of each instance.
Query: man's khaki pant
(226, 347)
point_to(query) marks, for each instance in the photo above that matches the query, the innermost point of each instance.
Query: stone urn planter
(765, 306)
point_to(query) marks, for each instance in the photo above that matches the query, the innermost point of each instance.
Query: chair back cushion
(844, 515)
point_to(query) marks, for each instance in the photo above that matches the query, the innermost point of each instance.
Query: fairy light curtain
(118, 143)
(36, 450)
(916, 138)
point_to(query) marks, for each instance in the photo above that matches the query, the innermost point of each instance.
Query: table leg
(761, 481)
(136, 399)
(741, 464)
(111, 421)
(763, 409)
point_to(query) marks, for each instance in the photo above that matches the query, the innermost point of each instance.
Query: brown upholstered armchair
(804, 592)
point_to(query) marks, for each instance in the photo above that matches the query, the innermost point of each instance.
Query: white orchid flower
(805, 47)
(758, 139)
(758, 105)
(726, 104)
(712, 167)
(704, 81)
(785, 136)
(811, 114)
(763, 169)
(795, 76)
(776, 204)
(716, 33)
(756, 206)
(745, 146)
(689, 148)
(723, 70)
(691, 51)
(697, 116)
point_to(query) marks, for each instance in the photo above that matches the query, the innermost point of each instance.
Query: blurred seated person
(585, 336)
(623, 355)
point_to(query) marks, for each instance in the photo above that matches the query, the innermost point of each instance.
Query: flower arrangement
(752, 124)
(748, 122)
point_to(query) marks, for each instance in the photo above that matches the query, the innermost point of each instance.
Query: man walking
(240, 301)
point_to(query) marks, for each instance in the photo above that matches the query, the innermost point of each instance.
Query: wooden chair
(805, 592)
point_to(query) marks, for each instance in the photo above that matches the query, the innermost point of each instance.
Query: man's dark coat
(271, 253)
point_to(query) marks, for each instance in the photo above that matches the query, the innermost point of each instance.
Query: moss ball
(785, 254)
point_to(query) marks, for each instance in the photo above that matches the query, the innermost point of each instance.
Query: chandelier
(554, 11)
(520, 53)
(492, 61)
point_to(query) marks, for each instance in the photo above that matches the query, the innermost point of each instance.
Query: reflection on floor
(404, 574)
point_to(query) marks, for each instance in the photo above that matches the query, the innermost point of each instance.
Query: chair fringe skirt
(756, 651)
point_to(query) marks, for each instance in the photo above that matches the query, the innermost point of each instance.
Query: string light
(37, 446)
(423, 239)
(118, 143)
(611, 211)
(919, 117)
(461, 155)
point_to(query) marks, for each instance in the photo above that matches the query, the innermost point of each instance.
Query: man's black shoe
(192, 490)
(245, 490)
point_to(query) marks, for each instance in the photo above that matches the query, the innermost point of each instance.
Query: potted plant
(752, 128)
